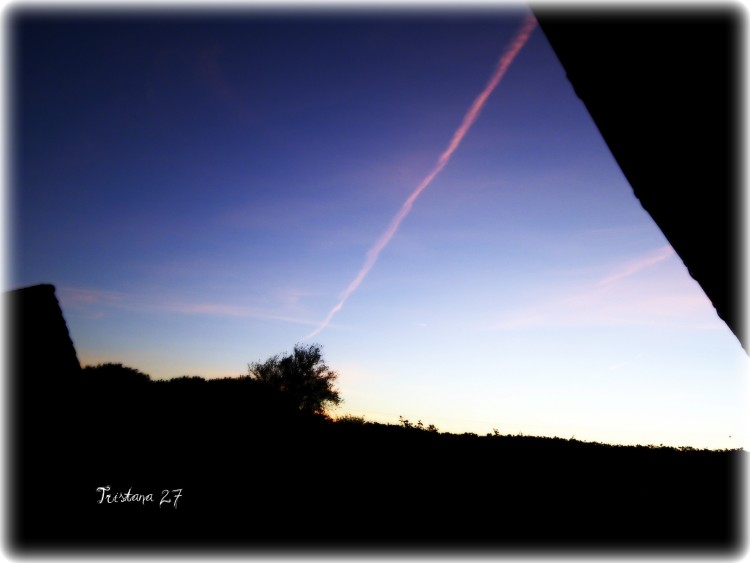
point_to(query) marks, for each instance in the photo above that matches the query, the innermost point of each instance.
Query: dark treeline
(255, 472)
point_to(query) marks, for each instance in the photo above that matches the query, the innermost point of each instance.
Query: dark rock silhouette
(663, 87)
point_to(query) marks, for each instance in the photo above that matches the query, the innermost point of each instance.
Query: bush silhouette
(302, 377)
(114, 374)
(418, 426)
(351, 419)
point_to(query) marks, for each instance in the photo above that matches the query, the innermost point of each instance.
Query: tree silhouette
(302, 376)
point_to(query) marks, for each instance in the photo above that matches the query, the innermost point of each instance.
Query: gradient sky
(202, 190)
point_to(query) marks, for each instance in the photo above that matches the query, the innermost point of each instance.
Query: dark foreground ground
(255, 477)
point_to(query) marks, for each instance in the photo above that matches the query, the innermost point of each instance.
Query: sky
(204, 191)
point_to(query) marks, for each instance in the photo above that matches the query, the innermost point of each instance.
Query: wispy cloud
(632, 294)
(291, 298)
(638, 264)
(215, 309)
(76, 296)
(93, 301)
(622, 364)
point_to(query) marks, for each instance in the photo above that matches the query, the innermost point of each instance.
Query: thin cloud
(622, 364)
(597, 308)
(292, 297)
(75, 296)
(92, 301)
(631, 295)
(635, 266)
(219, 310)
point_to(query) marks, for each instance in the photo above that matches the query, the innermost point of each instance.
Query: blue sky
(202, 190)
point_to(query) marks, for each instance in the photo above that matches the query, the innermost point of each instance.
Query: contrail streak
(471, 115)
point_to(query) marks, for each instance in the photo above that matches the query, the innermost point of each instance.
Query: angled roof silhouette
(40, 347)
(663, 90)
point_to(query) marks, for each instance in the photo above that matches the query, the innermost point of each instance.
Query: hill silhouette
(113, 464)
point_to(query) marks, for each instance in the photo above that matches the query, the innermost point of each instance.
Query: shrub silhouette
(114, 374)
(418, 426)
(302, 377)
(351, 419)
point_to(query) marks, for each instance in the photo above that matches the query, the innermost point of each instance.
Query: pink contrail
(372, 255)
